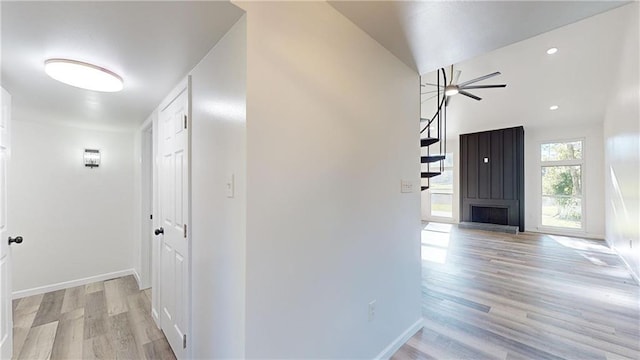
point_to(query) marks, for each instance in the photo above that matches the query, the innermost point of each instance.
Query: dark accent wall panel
(520, 172)
(509, 164)
(472, 169)
(498, 183)
(484, 170)
(495, 165)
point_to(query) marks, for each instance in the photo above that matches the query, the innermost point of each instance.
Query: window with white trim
(562, 171)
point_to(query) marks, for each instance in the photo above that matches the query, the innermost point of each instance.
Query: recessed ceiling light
(552, 51)
(83, 75)
(553, 107)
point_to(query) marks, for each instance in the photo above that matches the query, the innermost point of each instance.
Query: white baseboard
(156, 317)
(400, 340)
(72, 283)
(634, 276)
(137, 276)
(559, 232)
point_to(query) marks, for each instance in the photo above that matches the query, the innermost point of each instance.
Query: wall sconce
(91, 158)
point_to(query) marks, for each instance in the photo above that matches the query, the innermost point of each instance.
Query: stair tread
(431, 158)
(428, 141)
(429, 174)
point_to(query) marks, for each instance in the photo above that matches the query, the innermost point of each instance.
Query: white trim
(558, 231)
(137, 276)
(156, 318)
(71, 283)
(400, 340)
(146, 143)
(184, 85)
(442, 220)
(626, 264)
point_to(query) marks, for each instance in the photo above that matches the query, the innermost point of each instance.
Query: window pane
(562, 180)
(563, 212)
(442, 205)
(442, 182)
(448, 163)
(561, 151)
(448, 160)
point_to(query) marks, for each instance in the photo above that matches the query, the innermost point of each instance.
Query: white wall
(218, 150)
(76, 221)
(622, 148)
(331, 131)
(593, 177)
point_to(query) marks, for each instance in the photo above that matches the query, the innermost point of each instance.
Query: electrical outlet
(372, 310)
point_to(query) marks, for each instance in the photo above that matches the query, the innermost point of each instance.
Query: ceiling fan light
(451, 90)
(83, 75)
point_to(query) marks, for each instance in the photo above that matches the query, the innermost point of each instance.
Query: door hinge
(185, 121)
(184, 341)
(185, 231)
(151, 217)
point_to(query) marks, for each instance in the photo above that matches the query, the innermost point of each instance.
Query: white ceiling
(577, 78)
(427, 35)
(152, 45)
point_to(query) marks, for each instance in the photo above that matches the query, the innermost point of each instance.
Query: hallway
(528, 296)
(103, 320)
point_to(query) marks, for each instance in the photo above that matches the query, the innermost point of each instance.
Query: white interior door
(6, 321)
(173, 181)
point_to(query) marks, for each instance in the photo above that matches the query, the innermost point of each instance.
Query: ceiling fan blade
(430, 84)
(457, 76)
(431, 91)
(470, 95)
(429, 98)
(479, 79)
(483, 86)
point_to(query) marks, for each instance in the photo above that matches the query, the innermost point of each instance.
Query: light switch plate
(406, 186)
(230, 186)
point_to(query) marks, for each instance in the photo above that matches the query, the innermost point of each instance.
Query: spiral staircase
(433, 133)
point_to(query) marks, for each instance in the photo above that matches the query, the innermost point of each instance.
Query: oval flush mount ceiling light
(83, 75)
(553, 107)
(552, 51)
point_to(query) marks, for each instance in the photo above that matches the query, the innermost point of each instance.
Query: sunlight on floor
(579, 244)
(435, 242)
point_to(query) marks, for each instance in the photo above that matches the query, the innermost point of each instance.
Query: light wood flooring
(529, 296)
(103, 320)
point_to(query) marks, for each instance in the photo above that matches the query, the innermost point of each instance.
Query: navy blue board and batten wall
(492, 177)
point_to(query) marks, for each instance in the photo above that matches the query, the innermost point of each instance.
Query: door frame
(184, 85)
(6, 287)
(147, 178)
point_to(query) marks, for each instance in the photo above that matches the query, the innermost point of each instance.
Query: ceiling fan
(454, 87)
